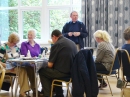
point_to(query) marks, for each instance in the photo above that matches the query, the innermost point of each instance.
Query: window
(31, 19)
(43, 15)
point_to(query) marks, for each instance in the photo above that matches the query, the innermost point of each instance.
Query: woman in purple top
(34, 49)
(30, 45)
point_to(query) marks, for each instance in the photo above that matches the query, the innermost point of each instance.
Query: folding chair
(125, 60)
(11, 77)
(115, 66)
(67, 81)
(2, 75)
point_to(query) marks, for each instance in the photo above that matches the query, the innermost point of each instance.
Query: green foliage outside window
(58, 2)
(32, 18)
(31, 2)
(13, 21)
(58, 18)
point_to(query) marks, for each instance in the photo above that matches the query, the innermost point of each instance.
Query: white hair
(103, 35)
(33, 31)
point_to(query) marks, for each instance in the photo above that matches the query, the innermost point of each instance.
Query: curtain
(110, 15)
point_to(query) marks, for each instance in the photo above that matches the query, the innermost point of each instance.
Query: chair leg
(52, 89)
(109, 86)
(16, 88)
(68, 94)
(11, 79)
(121, 93)
(102, 82)
(125, 84)
(70, 91)
(38, 80)
(67, 90)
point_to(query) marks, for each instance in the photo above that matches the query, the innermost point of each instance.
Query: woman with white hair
(104, 54)
(33, 48)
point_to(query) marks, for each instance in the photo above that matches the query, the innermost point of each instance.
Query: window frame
(45, 31)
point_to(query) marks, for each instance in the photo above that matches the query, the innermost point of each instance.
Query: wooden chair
(67, 81)
(125, 65)
(2, 75)
(12, 77)
(115, 66)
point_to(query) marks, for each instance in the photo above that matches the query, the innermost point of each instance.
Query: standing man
(75, 30)
(59, 64)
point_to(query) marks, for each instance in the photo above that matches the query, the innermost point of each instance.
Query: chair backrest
(125, 60)
(84, 75)
(90, 48)
(115, 64)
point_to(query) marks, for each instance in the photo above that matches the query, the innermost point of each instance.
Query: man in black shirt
(75, 30)
(60, 61)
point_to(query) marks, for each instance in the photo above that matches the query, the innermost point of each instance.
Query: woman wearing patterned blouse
(104, 54)
(9, 50)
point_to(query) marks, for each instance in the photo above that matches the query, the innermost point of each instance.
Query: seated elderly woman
(7, 50)
(104, 54)
(34, 50)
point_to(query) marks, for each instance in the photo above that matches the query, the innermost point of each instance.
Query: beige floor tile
(102, 93)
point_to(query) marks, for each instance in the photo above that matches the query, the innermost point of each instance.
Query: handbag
(120, 82)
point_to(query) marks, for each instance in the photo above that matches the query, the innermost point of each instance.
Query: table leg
(17, 75)
(36, 79)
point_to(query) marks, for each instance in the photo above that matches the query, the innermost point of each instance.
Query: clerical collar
(74, 22)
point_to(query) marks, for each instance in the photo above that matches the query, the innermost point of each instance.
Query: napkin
(43, 54)
(28, 54)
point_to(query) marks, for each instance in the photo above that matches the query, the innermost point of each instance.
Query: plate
(14, 59)
(27, 58)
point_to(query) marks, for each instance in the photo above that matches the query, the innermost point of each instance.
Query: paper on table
(9, 65)
(15, 55)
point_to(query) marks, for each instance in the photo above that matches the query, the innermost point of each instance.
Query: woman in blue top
(126, 46)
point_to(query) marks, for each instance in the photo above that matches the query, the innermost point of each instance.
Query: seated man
(60, 61)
